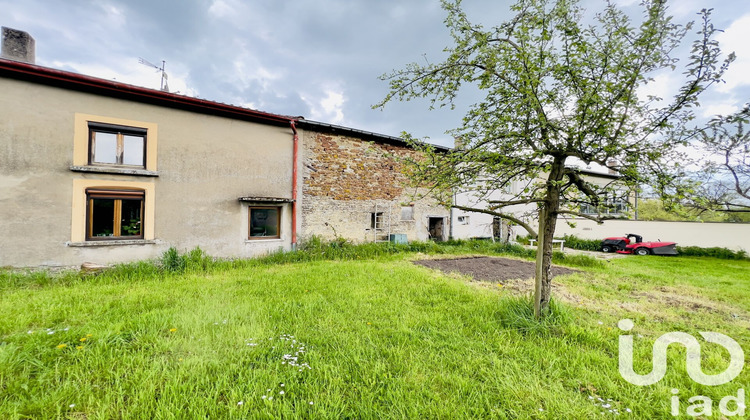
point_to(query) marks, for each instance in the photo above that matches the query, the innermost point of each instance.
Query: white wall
(480, 224)
(734, 236)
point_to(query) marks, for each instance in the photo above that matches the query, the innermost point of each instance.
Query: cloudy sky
(318, 59)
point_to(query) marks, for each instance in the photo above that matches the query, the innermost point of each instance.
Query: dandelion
(62, 346)
(369, 323)
(172, 329)
(83, 339)
(79, 347)
(89, 335)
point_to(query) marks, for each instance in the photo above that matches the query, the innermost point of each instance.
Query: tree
(726, 171)
(555, 89)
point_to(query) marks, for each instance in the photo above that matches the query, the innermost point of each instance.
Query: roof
(78, 82)
(337, 129)
(598, 174)
(94, 85)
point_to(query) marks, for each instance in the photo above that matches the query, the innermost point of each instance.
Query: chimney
(18, 46)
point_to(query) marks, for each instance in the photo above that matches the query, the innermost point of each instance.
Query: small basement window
(114, 214)
(464, 220)
(264, 223)
(117, 145)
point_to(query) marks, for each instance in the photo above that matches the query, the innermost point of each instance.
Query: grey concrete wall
(204, 163)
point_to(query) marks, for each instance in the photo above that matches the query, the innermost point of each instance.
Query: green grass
(383, 338)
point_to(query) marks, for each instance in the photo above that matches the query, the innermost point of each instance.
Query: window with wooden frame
(117, 145)
(114, 214)
(264, 222)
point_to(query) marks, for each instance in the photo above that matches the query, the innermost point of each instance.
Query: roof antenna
(163, 85)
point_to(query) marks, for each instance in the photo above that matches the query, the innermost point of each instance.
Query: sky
(317, 59)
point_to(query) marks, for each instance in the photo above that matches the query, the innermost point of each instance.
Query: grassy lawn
(373, 338)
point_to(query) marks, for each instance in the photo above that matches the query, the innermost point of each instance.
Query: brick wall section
(346, 179)
(345, 168)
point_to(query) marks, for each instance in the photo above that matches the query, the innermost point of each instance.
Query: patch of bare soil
(490, 269)
(515, 276)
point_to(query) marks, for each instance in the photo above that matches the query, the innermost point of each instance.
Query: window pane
(102, 217)
(132, 153)
(131, 222)
(407, 213)
(264, 222)
(105, 147)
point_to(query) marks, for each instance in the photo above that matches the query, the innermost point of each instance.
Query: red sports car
(626, 245)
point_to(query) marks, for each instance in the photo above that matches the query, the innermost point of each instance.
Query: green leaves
(554, 86)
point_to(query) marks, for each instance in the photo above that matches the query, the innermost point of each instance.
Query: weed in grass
(517, 313)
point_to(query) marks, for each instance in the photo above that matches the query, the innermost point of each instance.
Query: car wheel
(642, 251)
(606, 248)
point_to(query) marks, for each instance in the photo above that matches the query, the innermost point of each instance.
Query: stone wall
(347, 179)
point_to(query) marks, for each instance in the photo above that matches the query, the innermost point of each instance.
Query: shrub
(715, 252)
(575, 242)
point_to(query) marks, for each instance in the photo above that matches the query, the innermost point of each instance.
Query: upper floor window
(117, 145)
(608, 206)
(114, 146)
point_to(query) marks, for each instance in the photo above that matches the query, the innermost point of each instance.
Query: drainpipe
(295, 156)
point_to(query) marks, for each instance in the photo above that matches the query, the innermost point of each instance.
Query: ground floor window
(265, 222)
(114, 214)
(376, 220)
(407, 213)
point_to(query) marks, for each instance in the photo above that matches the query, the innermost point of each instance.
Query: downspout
(295, 156)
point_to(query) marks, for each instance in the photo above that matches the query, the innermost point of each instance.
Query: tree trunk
(547, 223)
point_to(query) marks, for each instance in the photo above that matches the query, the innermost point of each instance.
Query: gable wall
(345, 178)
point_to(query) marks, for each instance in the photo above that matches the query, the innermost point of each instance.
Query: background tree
(726, 170)
(556, 89)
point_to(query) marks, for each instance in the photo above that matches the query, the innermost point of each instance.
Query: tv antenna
(163, 85)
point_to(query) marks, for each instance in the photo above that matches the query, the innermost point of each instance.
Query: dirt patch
(490, 269)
